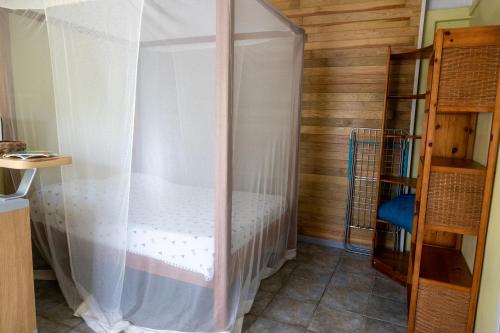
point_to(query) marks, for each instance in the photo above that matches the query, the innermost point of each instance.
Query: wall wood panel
(343, 87)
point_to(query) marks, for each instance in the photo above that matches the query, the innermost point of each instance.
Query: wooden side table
(17, 296)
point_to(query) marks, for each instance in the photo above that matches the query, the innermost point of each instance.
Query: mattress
(165, 221)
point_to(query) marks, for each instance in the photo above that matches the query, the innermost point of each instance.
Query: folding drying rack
(363, 174)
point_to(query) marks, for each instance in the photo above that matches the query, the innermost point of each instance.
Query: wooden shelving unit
(385, 257)
(453, 193)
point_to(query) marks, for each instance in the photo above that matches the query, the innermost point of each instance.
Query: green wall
(487, 12)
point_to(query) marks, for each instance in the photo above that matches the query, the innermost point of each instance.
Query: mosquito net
(128, 88)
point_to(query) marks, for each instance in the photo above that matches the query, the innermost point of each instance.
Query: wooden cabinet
(17, 296)
(453, 191)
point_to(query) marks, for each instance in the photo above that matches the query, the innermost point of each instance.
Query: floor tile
(289, 266)
(377, 326)
(356, 264)
(328, 321)
(82, 328)
(318, 249)
(326, 259)
(357, 282)
(307, 289)
(263, 325)
(272, 284)
(262, 300)
(290, 311)
(387, 310)
(384, 287)
(320, 273)
(248, 321)
(48, 294)
(59, 313)
(352, 297)
(337, 298)
(275, 282)
(48, 326)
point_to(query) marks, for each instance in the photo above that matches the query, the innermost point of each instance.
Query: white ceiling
(441, 4)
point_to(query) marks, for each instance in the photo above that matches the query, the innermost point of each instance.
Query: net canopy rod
(244, 36)
(40, 5)
(266, 35)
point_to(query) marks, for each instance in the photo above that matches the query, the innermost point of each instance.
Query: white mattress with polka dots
(166, 221)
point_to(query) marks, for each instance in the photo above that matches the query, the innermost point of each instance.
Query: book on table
(26, 155)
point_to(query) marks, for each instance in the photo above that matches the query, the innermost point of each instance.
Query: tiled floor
(324, 291)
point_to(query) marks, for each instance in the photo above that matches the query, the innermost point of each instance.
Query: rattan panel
(441, 310)
(469, 76)
(455, 200)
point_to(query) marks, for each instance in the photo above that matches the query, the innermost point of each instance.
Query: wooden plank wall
(343, 88)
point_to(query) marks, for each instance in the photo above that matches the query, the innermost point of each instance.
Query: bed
(169, 224)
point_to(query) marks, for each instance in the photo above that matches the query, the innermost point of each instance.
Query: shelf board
(453, 230)
(424, 52)
(457, 165)
(396, 136)
(464, 109)
(446, 266)
(384, 221)
(393, 264)
(417, 96)
(410, 182)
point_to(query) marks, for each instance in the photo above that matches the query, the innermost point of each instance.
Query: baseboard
(319, 241)
(325, 242)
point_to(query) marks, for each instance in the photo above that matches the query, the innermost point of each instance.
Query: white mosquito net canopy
(133, 229)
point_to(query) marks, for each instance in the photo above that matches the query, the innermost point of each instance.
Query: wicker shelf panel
(469, 76)
(455, 200)
(441, 309)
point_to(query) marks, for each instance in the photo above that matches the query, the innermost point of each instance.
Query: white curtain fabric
(128, 89)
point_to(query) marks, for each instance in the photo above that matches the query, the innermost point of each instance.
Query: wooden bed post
(223, 164)
(293, 161)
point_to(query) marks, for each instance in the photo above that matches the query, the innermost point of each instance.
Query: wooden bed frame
(223, 258)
